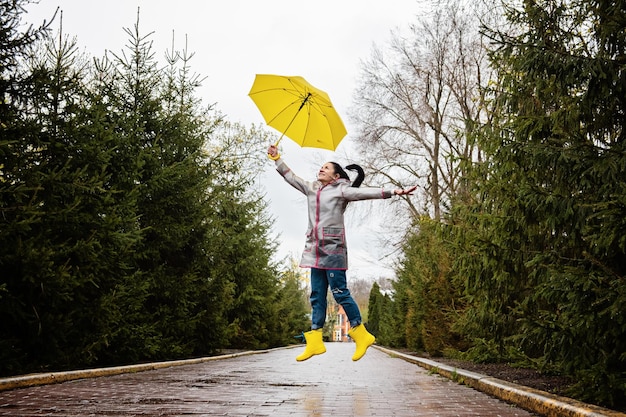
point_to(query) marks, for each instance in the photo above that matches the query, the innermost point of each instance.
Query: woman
(325, 249)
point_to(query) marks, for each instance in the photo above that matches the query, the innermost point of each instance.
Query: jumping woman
(325, 251)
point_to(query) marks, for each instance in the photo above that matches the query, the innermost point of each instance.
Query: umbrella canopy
(298, 110)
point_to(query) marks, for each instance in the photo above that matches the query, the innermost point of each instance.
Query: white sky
(324, 41)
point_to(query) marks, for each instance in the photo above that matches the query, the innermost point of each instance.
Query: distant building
(341, 326)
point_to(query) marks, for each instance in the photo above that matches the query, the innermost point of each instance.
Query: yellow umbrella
(298, 110)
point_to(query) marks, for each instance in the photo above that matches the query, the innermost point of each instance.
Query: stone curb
(536, 401)
(25, 381)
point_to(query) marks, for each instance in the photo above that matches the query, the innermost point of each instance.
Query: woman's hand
(406, 191)
(272, 152)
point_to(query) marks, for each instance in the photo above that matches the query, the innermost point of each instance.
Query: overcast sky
(323, 41)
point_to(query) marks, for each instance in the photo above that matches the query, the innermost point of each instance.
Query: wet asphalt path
(264, 384)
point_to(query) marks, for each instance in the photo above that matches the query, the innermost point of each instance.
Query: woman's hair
(353, 167)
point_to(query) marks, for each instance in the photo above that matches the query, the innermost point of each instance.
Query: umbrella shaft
(293, 118)
(303, 103)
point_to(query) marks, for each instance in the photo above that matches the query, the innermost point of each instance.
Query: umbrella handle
(274, 158)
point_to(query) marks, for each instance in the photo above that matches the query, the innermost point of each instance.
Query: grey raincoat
(325, 246)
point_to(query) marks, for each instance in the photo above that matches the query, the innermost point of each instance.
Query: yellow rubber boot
(363, 340)
(314, 345)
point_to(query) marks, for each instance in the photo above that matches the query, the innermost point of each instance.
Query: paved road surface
(265, 384)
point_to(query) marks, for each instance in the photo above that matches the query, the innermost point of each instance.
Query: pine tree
(242, 247)
(291, 310)
(18, 203)
(548, 232)
(380, 318)
(133, 226)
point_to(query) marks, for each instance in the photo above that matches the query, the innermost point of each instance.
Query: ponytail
(353, 167)
(360, 174)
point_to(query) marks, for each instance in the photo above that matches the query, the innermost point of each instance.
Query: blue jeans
(321, 279)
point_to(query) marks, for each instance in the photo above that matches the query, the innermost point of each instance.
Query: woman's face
(327, 174)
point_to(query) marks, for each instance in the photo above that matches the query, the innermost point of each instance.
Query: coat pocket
(333, 240)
